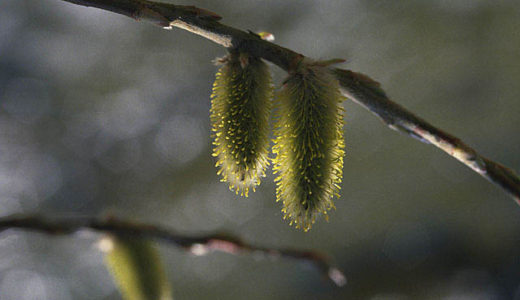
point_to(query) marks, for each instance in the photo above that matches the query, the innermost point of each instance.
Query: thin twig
(355, 86)
(197, 245)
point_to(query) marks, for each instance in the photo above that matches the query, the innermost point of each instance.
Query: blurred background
(101, 115)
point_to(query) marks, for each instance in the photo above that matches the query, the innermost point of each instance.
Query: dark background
(102, 115)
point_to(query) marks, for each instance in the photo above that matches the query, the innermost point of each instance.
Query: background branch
(197, 245)
(355, 86)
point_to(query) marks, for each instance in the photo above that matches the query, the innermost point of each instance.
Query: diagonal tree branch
(364, 91)
(197, 245)
(355, 86)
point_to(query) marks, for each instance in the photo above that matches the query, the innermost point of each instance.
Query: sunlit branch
(355, 86)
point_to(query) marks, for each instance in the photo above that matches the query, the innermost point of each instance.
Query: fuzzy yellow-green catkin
(240, 108)
(309, 144)
(136, 267)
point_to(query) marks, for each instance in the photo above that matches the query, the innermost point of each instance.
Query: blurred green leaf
(137, 268)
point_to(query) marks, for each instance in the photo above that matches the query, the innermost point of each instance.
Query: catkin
(240, 108)
(309, 144)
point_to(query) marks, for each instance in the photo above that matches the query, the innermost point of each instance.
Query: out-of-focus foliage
(100, 114)
(136, 267)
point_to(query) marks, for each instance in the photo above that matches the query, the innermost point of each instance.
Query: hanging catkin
(309, 144)
(240, 108)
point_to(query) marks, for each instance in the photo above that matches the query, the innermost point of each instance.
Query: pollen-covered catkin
(240, 108)
(309, 144)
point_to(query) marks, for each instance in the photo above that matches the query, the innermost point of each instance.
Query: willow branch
(197, 245)
(355, 86)
(366, 92)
